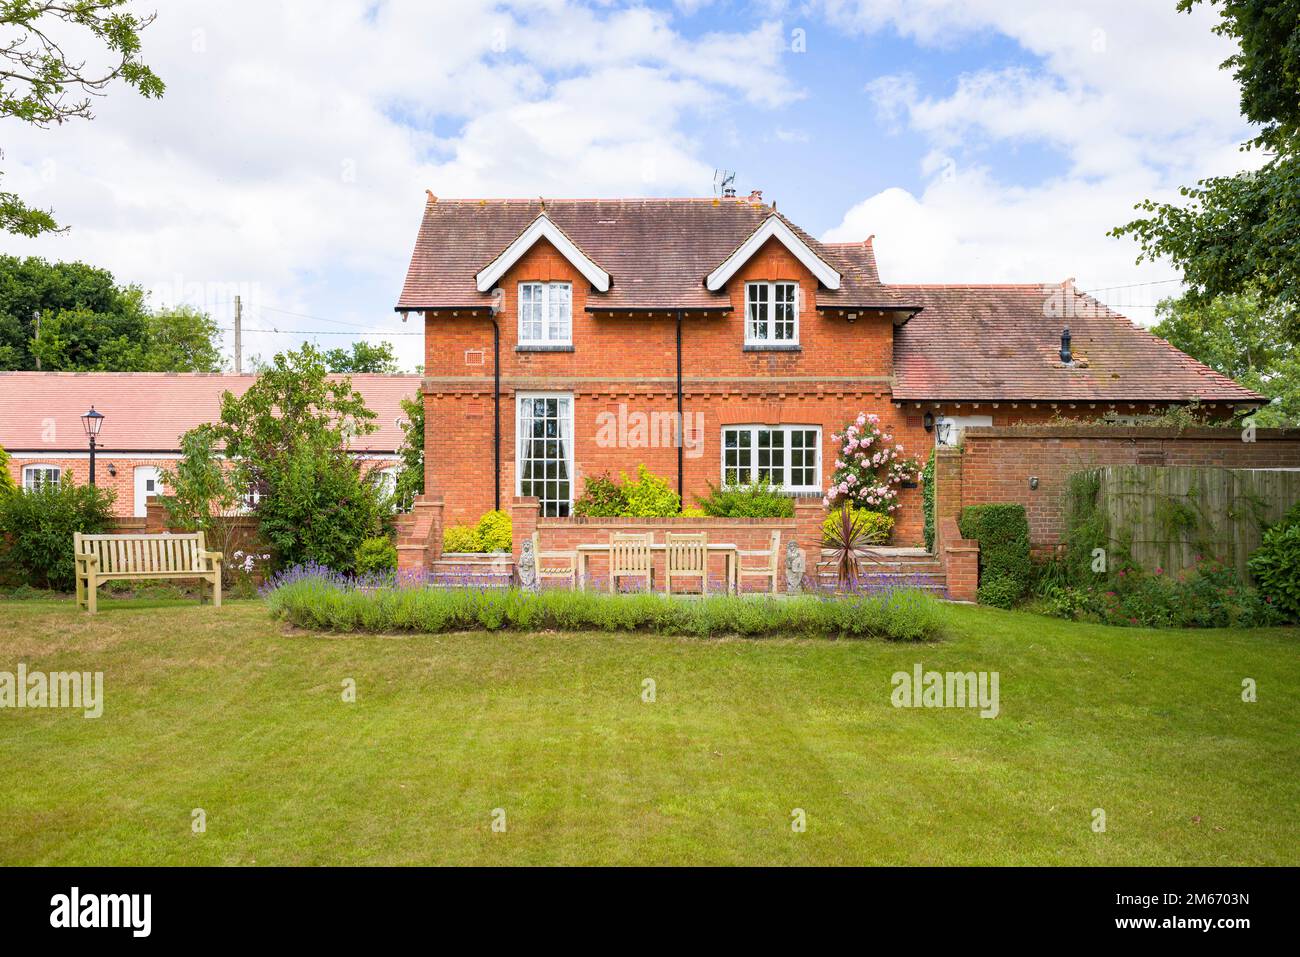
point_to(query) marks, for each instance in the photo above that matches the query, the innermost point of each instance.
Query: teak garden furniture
(686, 556)
(101, 558)
(555, 564)
(630, 556)
(726, 549)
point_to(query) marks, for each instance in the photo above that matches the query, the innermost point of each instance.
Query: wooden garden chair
(630, 555)
(769, 568)
(555, 564)
(686, 556)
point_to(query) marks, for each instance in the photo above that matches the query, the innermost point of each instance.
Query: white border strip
(540, 228)
(773, 226)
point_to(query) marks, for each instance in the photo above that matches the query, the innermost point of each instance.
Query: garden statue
(795, 565)
(528, 567)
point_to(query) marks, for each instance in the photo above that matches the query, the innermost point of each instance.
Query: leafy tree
(43, 85)
(363, 357)
(1245, 340)
(289, 436)
(293, 403)
(88, 323)
(1235, 234)
(180, 339)
(200, 490)
(410, 475)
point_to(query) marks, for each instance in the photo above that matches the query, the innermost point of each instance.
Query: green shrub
(6, 480)
(876, 526)
(601, 497)
(317, 507)
(494, 530)
(376, 556)
(40, 525)
(1003, 533)
(461, 538)
(760, 500)
(650, 495)
(927, 501)
(1208, 595)
(321, 600)
(693, 512)
(1276, 565)
(1000, 591)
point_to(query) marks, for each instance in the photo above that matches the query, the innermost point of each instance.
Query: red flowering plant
(869, 468)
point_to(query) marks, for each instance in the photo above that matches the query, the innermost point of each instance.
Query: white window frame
(547, 289)
(29, 472)
(520, 399)
(754, 465)
(769, 318)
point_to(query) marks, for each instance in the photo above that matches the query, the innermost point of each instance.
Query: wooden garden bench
(101, 558)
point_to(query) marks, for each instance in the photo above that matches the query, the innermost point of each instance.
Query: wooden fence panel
(1169, 516)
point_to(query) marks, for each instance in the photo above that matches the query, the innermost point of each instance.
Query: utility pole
(36, 316)
(239, 345)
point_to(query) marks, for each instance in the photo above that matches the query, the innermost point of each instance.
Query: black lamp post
(92, 421)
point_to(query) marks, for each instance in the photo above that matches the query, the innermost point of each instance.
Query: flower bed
(317, 598)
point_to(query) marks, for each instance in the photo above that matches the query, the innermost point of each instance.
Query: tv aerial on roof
(724, 183)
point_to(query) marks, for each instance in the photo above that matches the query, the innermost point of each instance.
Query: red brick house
(564, 337)
(145, 415)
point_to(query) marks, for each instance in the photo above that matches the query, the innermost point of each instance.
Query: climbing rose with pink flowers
(869, 467)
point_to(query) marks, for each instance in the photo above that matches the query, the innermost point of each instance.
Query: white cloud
(1130, 96)
(289, 157)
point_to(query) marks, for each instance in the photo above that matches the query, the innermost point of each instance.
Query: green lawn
(225, 711)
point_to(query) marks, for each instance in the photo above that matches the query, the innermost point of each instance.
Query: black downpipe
(681, 421)
(496, 412)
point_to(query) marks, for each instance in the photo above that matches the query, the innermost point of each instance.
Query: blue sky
(978, 140)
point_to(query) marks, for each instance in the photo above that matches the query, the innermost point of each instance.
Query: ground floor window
(544, 451)
(785, 455)
(36, 477)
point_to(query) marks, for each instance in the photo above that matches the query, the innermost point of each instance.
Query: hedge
(1003, 533)
(316, 598)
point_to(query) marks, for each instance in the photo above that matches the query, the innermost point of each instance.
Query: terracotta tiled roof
(657, 251)
(1002, 342)
(148, 411)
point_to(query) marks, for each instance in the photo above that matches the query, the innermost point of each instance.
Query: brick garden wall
(997, 463)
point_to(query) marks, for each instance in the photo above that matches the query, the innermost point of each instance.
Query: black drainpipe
(496, 411)
(681, 421)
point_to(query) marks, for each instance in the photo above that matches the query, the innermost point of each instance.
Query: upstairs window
(545, 314)
(771, 313)
(788, 456)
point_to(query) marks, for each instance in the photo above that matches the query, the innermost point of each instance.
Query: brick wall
(997, 463)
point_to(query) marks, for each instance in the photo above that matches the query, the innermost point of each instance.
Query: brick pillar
(960, 558)
(419, 535)
(155, 516)
(809, 513)
(523, 522)
(947, 491)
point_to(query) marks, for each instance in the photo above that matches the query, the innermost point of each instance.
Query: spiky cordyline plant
(847, 541)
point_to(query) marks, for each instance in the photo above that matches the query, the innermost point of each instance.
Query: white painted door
(147, 483)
